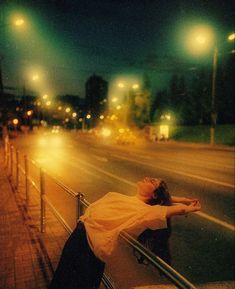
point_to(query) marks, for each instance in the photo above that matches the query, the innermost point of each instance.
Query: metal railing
(11, 156)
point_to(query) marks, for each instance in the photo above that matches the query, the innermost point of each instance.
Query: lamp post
(203, 38)
(213, 109)
(3, 114)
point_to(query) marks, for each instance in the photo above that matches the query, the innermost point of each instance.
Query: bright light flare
(29, 112)
(19, 22)
(35, 77)
(164, 131)
(106, 132)
(15, 121)
(135, 86)
(231, 37)
(200, 39)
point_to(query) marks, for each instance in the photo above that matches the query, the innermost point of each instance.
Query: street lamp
(18, 22)
(203, 38)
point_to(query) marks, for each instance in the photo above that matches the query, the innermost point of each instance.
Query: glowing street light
(29, 113)
(74, 114)
(201, 40)
(19, 22)
(114, 99)
(231, 37)
(35, 77)
(15, 121)
(135, 86)
(68, 109)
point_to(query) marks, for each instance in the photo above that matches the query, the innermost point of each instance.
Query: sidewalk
(24, 261)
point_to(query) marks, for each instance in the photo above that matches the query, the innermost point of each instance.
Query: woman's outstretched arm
(182, 209)
(183, 200)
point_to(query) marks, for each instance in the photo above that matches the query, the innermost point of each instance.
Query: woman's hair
(157, 241)
(161, 195)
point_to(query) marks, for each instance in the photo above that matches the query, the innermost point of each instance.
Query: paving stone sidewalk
(24, 261)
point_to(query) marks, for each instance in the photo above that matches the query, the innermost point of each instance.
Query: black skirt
(78, 267)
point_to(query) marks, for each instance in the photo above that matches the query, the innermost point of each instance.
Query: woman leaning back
(95, 237)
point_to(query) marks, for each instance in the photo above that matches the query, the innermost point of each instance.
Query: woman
(92, 242)
(157, 241)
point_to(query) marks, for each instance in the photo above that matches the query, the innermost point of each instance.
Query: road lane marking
(215, 220)
(179, 172)
(133, 184)
(99, 158)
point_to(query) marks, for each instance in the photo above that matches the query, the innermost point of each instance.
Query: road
(202, 245)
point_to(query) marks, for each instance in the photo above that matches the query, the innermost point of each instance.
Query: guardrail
(15, 167)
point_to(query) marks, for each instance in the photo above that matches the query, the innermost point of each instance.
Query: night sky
(67, 41)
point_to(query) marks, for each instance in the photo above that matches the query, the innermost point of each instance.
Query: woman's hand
(194, 206)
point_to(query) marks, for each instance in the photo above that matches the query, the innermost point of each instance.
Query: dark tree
(96, 96)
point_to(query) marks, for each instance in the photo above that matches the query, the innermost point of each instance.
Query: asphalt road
(202, 245)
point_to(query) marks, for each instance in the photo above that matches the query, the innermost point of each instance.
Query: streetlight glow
(114, 99)
(135, 86)
(29, 112)
(200, 39)
(231, 37)
(19, 22)
(121, 85)
(15, 121)
(35, 77)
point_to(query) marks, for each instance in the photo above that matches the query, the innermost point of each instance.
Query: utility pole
(213, 108)
(3, 106)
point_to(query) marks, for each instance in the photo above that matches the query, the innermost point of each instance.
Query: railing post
(80, 196)
(17, 169)
(6, 148)
(42, 201)
(11, 161)
(26, 173)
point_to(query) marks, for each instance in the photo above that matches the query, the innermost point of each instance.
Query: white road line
(217, 221)
(179, 172)
(99, 158)
(201, 214)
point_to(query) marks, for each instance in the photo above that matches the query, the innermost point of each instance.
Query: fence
(37, 178)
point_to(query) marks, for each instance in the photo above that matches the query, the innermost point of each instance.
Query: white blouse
(107, 217)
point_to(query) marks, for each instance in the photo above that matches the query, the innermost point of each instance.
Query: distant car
(56, 129)
(125, 137)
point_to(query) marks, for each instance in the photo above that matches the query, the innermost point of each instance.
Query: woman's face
(147, 186)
